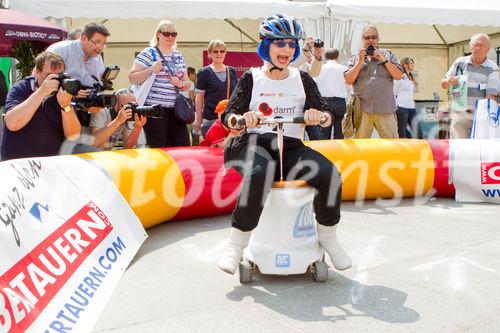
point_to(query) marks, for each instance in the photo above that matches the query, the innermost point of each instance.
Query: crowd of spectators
(41, 118)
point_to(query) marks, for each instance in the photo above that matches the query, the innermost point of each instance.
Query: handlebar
(238, 122)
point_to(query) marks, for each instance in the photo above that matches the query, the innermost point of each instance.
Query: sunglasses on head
(370, 37)
(168, 34)
(281, 44)
(219, 51)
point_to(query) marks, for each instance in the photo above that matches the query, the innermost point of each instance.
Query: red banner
(241, 61)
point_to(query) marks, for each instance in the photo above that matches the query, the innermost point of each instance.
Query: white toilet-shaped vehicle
(285, 241)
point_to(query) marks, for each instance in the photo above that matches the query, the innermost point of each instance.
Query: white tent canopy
(443, 12)
(424, 21)
(173, 9)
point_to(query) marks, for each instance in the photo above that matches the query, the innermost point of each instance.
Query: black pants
(256, 158)
(338, 107)
(166, 131)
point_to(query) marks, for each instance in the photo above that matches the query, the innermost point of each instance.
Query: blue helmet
(278, 27)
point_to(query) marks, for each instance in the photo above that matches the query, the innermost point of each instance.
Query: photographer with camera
(313, 52)
(83, 56)
(108, 124)
(372, 71)
(39, 115)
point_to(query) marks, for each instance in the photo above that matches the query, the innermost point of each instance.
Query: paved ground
(419, 267)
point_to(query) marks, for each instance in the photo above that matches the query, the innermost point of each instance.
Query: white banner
(475, 170)
(66, 237)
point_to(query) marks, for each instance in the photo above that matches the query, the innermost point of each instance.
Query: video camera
(318, 43)
(150, 111)
(96, 97)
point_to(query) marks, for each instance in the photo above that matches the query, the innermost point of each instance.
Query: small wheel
(246, 271)
(320, 271)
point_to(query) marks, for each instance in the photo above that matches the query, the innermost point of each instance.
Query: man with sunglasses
(372, 71)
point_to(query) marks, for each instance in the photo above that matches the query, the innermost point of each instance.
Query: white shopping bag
(486, 123)
(141, 91)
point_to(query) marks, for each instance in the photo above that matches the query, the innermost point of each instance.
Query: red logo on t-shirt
(490, 173)
(265, 109)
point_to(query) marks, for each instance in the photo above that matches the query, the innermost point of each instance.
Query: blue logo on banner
(304, 222)
(282, 260)
(35, 210)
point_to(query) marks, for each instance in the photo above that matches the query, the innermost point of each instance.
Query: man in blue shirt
(39, 115)
(83, 59)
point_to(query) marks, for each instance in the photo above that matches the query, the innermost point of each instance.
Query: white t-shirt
(285, 97)
(331, 81)
(100, 120)
(403, 91)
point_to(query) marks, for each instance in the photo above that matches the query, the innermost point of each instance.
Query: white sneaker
(328, 239)
(231, 256)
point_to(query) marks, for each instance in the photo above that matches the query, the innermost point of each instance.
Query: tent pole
(234, 25)
(440, 35)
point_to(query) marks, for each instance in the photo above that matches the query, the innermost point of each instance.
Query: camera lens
(370, 50)
(71, 86)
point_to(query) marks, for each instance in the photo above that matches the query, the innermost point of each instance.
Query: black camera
(96, 97)
(318, 43)
(72, 86)
(370, 50)
(150, 111)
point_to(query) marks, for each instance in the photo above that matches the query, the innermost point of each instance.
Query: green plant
(23, 52)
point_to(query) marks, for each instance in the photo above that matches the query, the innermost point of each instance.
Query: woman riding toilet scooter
(254, 153)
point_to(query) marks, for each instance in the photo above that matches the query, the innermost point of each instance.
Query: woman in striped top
(167, 62)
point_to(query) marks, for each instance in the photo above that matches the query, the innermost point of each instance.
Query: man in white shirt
(333, 88)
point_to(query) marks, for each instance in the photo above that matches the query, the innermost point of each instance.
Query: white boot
(234, 250)
(328, 239)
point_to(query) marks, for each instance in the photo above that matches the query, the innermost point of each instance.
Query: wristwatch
(67, 108)
(385, 62)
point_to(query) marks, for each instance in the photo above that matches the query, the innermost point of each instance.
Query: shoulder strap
(169, 68)
(228, 81)
(153, 55)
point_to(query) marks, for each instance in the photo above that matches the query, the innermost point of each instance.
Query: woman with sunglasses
(167, 62)
(254, 154)
(215, 83)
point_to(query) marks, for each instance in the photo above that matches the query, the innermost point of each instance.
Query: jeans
(407, 117)
(313, 132)
(338, 107)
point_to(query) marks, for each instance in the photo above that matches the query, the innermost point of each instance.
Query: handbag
(352, 117)
(485, 124)
(184, 110)
(141, 91)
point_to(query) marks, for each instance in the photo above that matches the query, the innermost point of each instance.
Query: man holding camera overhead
(39, 115)
(372, 71)
(109, 124)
